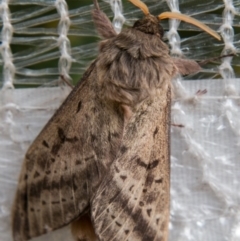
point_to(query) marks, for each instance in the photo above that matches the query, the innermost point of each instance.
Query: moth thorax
(149, 25)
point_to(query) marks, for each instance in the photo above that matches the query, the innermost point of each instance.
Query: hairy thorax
(133, 66)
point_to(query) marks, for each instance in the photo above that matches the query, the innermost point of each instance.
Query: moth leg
(127, 113)
(82, 229)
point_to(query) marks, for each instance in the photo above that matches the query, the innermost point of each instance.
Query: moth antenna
(140, 5)
(191, 20)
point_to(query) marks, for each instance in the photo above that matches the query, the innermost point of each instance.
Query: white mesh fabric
(205, 163)
(65, 59)
(205, 157)
(6, 36)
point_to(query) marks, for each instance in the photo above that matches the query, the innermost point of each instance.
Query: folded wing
(66, 162)
(132, 202)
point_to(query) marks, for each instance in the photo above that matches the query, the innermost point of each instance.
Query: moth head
(150, 24)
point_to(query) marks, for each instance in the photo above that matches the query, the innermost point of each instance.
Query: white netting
(205, 157)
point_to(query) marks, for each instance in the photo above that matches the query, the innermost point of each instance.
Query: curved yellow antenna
(191, 20)
(140, 5)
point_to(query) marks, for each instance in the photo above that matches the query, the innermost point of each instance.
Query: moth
(102, 161)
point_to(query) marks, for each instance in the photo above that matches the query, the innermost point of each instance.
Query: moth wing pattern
(132, 202)
(66, 162)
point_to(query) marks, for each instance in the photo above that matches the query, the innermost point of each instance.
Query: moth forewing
(132, 203)
(65, 164)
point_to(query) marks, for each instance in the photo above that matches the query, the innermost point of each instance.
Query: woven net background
(41, 39)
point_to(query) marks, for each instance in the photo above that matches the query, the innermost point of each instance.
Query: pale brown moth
(102, 161)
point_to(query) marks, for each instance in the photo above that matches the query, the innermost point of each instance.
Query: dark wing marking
(66, 162)
(132, 202)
